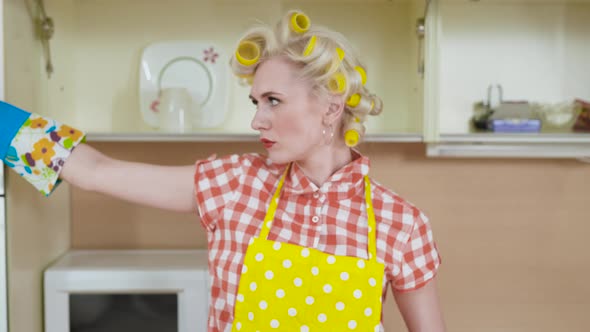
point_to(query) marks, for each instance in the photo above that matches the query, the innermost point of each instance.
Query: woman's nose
(259, 122)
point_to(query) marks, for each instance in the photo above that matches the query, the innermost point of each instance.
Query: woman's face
(288, 117)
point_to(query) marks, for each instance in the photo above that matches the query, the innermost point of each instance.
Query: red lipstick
(267, 143)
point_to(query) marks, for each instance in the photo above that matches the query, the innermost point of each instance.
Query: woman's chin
(279, 158)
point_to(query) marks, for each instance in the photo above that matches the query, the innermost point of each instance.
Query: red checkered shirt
(233, 194)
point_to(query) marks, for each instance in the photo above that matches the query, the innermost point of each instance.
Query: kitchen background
(511, 231)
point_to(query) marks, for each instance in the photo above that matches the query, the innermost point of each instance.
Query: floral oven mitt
(36, 147)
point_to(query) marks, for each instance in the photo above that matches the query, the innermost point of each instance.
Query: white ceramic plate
(200, 67)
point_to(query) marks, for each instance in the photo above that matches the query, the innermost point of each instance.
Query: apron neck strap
(270, 214)
(371, 221)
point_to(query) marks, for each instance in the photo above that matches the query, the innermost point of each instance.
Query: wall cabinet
(536, 51)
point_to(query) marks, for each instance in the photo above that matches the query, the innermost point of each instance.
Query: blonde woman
(300, 239)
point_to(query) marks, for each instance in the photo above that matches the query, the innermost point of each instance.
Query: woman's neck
(324, 162)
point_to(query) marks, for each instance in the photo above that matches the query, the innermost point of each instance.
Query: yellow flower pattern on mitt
(39, 150)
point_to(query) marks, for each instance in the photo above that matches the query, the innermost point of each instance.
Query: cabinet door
(3, 298)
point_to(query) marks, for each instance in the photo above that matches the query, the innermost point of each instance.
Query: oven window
(123, 312)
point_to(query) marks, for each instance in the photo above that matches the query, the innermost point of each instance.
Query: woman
(299, 239)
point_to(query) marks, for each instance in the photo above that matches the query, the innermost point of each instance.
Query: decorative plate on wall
(198, 66)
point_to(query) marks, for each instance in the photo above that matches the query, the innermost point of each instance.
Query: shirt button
(316, 195)
(315, 219)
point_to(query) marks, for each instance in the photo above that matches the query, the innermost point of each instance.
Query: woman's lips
(267, 143)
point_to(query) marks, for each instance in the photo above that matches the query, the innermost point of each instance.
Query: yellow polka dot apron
(285, 287)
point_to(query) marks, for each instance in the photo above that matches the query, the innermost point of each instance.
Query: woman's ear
(335, 109)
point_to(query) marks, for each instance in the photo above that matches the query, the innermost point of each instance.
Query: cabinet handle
(46, 29)
(420, 33)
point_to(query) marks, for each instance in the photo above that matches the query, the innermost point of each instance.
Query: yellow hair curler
(362, 73)
(337, 61)
(300, 22)
(337, 83)
(310, 46)
(248, 53)
(351, 138)
(354, 100)
(341, 53)
(248, 78)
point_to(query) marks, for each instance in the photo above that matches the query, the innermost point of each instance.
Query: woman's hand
(165, 187)
(421, 309)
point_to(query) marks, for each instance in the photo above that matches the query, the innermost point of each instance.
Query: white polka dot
(240, 298)
(305, 252)
(244, 269)
(274, 323)
(344, 276)
(304, 328)
(331, 259)
(292, 312)
(368, 312)
(280, 293)
(253, 286)
(286, 263)
(297, 282)
(268, 224)
(327, 288)
(263, 305)
(360, 264)
(370, 229)
(377, 329)
(357, 293)
(259, 256)
(309, 300)
(340, 306)
(372, 282)
(352, 324)
(315, 271)
(250, 241)
(269, 275)
(238, 325)
(251, 316)
(276, 246)
(322, 318)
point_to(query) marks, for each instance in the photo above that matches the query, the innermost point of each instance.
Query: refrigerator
(3, 279)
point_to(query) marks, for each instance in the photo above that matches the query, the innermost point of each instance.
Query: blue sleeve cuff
(11, 119)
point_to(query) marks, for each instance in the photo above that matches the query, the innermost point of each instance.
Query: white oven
(127, 290)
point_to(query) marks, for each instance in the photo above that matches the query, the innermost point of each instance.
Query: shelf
(516, 138)
(226, 138)
(511, 146)
(513, 2)
(499, 150)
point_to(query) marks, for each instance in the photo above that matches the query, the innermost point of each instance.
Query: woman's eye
(273, 101)
(254, 101)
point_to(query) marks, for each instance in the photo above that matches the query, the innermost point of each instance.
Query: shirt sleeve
(216, 181)
(420, 257)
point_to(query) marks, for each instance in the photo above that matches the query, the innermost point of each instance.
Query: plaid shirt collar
(343, 184)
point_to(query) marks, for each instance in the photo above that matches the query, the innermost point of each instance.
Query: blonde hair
(326, 59)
